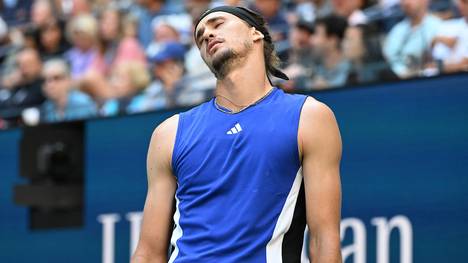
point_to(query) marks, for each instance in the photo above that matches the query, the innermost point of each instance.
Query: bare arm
(156, 226)
(456, 67)
(320, 145)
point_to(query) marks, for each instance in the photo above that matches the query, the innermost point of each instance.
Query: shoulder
(167, 128)
(315, 111)
(432, 19)
(397, 29)
(317, 126)
(199, 110)
(162, 141)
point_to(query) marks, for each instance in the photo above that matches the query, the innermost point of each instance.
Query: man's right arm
(155, 230)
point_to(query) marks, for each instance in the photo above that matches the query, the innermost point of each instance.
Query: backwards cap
(249, 17)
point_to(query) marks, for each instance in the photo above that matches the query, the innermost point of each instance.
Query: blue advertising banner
(404, 179)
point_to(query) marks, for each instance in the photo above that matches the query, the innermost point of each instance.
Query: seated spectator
(77, 7)
(309, 10)
(127, 82)
(51, 41)
(196, 7)
(171, 87)
(5, 42)
(163, 32)
(121, 92)
(82, 31)
(278, 25)
(333, 68)
(41, 12)
(145, 12)
(451, 43)
(361, 46)
(408, 44)
(114, 45)
(181, 23)
(22, 86)
(301, 58)
(168, 70)
(63, 101)
(352, 10)
(15, 12)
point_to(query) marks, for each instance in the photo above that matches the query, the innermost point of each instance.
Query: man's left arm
(320, 147)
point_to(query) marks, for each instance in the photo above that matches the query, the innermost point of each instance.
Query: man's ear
(257, 35)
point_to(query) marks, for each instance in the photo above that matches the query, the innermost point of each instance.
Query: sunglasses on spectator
(56, 77)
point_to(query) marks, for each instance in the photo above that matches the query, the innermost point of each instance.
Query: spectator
(51, 41)
(63, 101)
(146, 11)
(275, 16)
(352, 10)
(5, 41)
(168, 71)
(23, 85)
(114, 45)
(361, 46)
(15, 13)
(309, 10)
(41, 12)
(121, 92)
(128, 82)
(82, 31)
(79, 7)
(196, 7)
(301, 59)
(333, 68)
(408, 44)
(163, 32)
(451, 42)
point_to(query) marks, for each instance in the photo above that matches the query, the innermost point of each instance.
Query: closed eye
(218, 24)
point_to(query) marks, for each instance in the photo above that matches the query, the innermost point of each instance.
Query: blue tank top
(240, 196)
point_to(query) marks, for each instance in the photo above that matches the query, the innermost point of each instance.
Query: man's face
(40, 12)
(29, 64)
(319, 39)
(56, 83)
(463, 7)
(299, 38)
(413, 7)
(223, 39)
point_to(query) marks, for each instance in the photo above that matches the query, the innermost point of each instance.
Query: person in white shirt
(450, 46)
(408, 44)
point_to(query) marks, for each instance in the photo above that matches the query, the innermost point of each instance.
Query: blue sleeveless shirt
(240, 196)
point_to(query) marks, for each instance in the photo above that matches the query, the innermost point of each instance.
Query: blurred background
(83, 84)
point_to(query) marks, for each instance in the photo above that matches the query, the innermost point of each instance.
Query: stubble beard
(226, 60)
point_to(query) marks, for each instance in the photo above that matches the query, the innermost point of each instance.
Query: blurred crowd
(72, 59)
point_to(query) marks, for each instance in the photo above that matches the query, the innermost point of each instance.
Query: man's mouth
(212, 46)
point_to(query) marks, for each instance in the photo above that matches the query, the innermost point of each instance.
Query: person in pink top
(117, 42)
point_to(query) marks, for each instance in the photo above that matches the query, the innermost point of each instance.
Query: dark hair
(334, 26)
(272, 60)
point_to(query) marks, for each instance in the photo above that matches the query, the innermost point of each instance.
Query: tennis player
(250, 168)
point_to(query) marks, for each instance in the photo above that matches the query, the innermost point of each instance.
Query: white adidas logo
(236, 129)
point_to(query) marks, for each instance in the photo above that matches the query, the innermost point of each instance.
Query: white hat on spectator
(180, 22)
